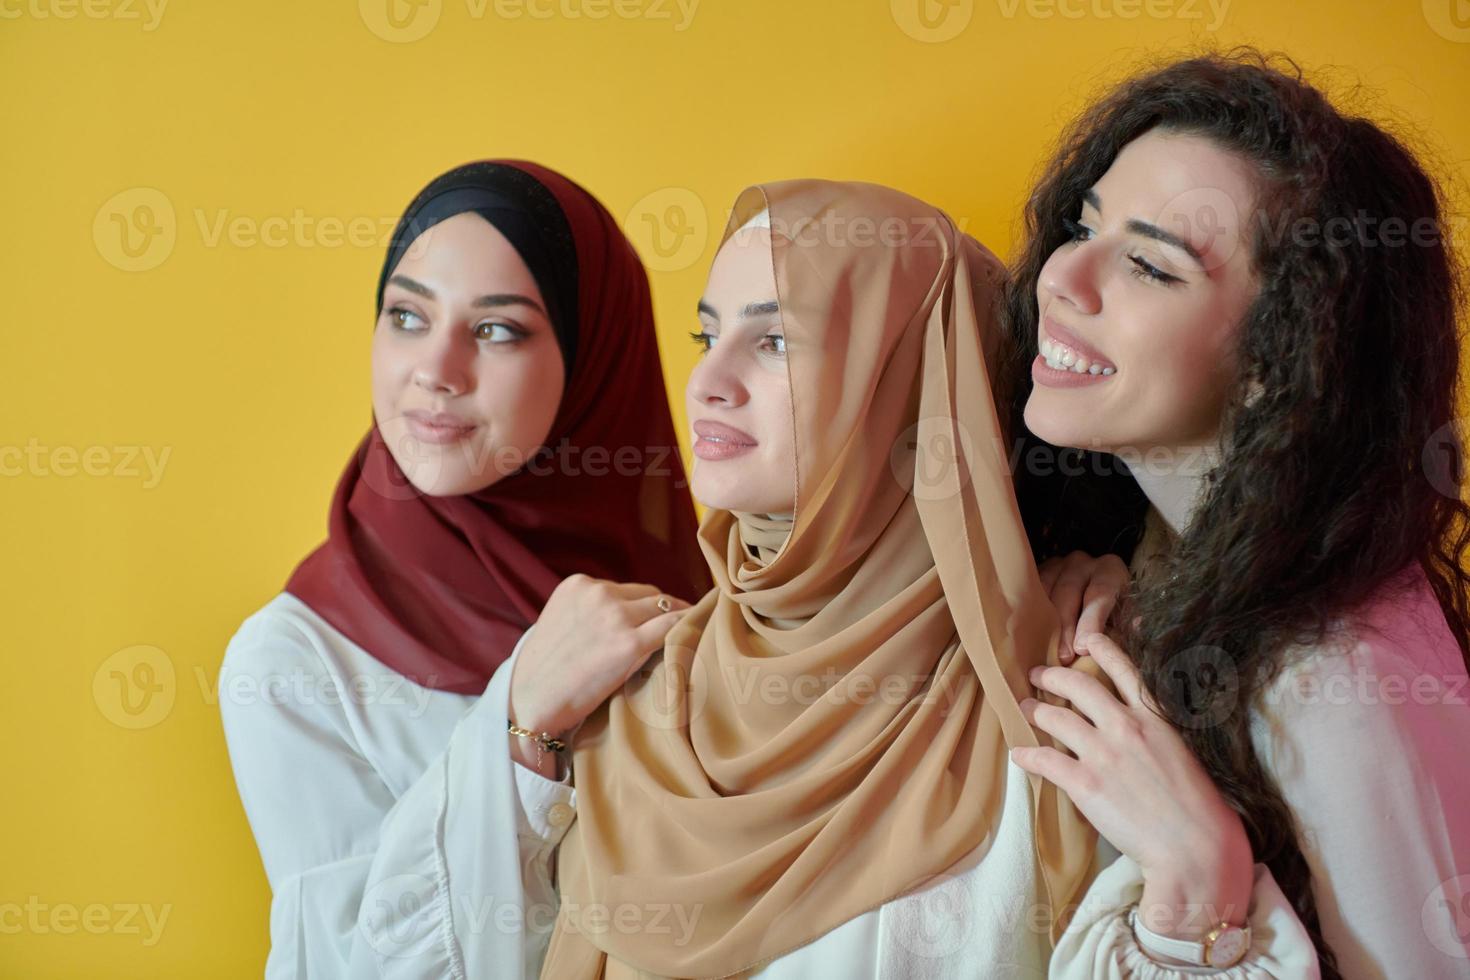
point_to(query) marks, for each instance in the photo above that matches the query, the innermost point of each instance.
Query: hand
(591, 636)
(1084, 591)
(1136, 780)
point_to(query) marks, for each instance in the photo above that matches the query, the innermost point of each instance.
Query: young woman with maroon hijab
(521, 435)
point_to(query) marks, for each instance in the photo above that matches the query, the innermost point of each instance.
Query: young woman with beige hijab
(811, 773)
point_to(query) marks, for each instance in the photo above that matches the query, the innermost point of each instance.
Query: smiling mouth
(1059, 357)
(1064, 352)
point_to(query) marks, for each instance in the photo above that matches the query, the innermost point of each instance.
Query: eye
(399, 317)
(1145, 270)
(1075, 230)
(775, 343)
(498, 333)
(704, 339)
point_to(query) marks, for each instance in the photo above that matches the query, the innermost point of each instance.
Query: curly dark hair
(1343, 471)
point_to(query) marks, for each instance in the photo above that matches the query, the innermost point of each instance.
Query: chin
(718, 495)
(1057, 425)
(441, 486)
(439, 475)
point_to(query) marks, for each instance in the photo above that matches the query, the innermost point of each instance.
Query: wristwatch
(1225, 945)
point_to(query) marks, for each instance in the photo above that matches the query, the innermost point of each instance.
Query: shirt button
(560, 815)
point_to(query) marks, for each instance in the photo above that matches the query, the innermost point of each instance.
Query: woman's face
(739, 396)
(1149, 294)
(467, 372)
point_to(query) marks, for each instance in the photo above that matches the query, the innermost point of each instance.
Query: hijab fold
(441, 588)
(829, 727)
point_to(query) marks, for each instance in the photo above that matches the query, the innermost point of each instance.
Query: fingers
(1109, 581)
(1119, 667)
(1053, 765)
(1097, 605)
(631, 590)
(1065, 725)
(649, 636)
(1064, 579)
(647, 607)
(1083, 690)
(1066, 595)
(1048, 573)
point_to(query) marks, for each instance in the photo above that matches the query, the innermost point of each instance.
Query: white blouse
(383, 811)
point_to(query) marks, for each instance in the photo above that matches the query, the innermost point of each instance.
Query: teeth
(1062, 359)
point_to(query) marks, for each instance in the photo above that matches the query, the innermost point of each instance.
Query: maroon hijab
(441, 588)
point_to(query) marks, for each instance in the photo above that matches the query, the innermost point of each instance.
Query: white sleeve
(1366, 746)
(336, 845)
(1098, 943)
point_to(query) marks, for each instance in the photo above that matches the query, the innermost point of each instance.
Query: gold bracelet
(545, 741)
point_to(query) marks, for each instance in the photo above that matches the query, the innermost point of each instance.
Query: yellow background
(267, 149)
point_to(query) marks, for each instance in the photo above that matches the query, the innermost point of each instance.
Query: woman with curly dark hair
(1232, 342)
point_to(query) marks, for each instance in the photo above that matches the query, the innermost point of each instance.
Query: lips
(438, 428)
(1074, 343)
(440, 420)
(721, 433)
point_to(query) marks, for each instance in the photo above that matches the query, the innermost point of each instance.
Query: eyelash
(517, 333)
(704, 340)
(1141, 268)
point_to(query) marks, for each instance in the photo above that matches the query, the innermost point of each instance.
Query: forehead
(1160, 165)
(742, 270)
(465, 249)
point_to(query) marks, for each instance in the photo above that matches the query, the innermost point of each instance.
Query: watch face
(1228, 947)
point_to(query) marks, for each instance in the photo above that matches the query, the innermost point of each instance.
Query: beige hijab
(828, 727)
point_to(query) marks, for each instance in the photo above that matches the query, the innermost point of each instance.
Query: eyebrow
(748, 311)
(489, 299)
(1148, 230)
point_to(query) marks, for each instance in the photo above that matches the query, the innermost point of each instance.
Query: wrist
(527, 711)
(1190, 896)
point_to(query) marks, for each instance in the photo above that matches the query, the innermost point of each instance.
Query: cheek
(389, 372)
(520, 395)
(772, 394)
(1180, 383)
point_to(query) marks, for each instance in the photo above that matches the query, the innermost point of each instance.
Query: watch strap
(1180, 949)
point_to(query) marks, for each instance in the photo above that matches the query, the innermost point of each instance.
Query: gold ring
(664, 603)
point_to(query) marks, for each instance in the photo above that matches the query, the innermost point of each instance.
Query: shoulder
(1388, 672)
(282, 637)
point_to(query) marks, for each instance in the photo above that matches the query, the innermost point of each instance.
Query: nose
(716, 381)
(1070, 275)
(445, 364)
